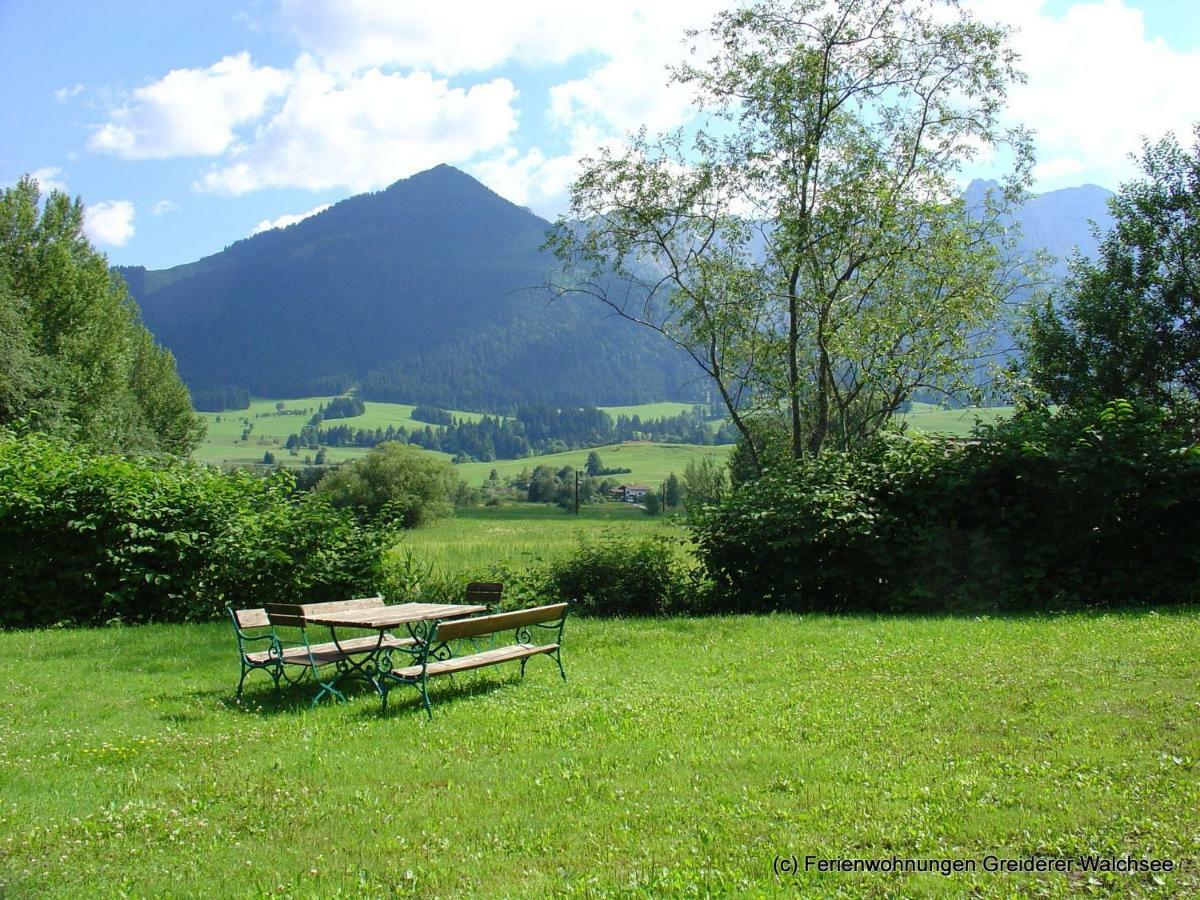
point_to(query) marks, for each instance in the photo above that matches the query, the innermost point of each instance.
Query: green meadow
(663, 410)
(933, 419)
(224, 445)
(476, 539)
(129, 770)
(649, 463)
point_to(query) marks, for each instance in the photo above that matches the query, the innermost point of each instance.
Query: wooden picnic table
(382, 617)
(368, 662)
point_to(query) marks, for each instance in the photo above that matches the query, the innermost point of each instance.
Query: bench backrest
(466, 628)
(293, 615)
(484, 593)
(251, 618)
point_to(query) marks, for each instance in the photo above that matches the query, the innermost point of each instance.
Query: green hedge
(1042, 511)
(606, 575)
(87, 537)
(615, 576)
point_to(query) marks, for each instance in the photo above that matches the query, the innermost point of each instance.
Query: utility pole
(576, 492)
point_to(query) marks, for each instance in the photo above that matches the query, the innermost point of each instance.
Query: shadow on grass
(402, 700)
(405, 700)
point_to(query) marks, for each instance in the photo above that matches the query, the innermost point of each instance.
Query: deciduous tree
(807, 244)
(1128, 324)
(75, 358)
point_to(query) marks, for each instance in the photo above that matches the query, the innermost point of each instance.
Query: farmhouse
(631, 493)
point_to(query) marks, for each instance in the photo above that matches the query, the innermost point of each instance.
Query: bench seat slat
(475, 660)
(328, 652)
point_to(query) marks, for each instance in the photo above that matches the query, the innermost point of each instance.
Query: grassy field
(224, 444)
(955, 422)
(514, 536)
(663, 410)
(650, 463)
(681, 759)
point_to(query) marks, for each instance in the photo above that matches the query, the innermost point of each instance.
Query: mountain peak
(441, 176)
(430, 290)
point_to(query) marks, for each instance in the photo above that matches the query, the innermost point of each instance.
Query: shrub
(615, 576)
(88, 537)
(396, 480)
(1096, 507)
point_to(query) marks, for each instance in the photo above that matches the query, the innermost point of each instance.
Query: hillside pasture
(650, 463)
(682, 758)
(664, 410)
(271, 429)
(224, 446)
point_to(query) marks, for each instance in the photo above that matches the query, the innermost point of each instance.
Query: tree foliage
(74, 356)
(1129, 323)
(87, 537)
(395, 481)
(1041, 511)
(807, 247)
(704, 482)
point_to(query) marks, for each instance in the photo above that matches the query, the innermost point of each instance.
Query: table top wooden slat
(396, 614)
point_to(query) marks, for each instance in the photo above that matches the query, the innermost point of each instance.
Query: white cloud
(286, 220)
(109, 222)
(1057, 168)
(628, 89)
(190, 112)
(453, 36)
(367, 102)
(66, 94)
(50, 178)
(1098, 84)
(530, 179)
(366, 131)
(162, 207)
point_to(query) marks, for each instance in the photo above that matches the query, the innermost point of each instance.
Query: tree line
(533, 431)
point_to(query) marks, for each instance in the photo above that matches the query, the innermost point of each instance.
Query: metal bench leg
(273, 671)
(425, 699)
(328, 688)
(558, 659)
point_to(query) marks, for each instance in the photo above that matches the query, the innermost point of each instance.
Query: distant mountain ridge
(1057, 221)
(428, 292)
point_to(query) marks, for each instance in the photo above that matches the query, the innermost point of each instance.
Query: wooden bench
(252, 626)
(435, 657)
(485, 593)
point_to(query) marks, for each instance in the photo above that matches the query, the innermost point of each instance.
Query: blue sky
(185, 126)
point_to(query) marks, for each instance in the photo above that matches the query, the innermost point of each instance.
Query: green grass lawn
(476, 539)
(680, 759)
